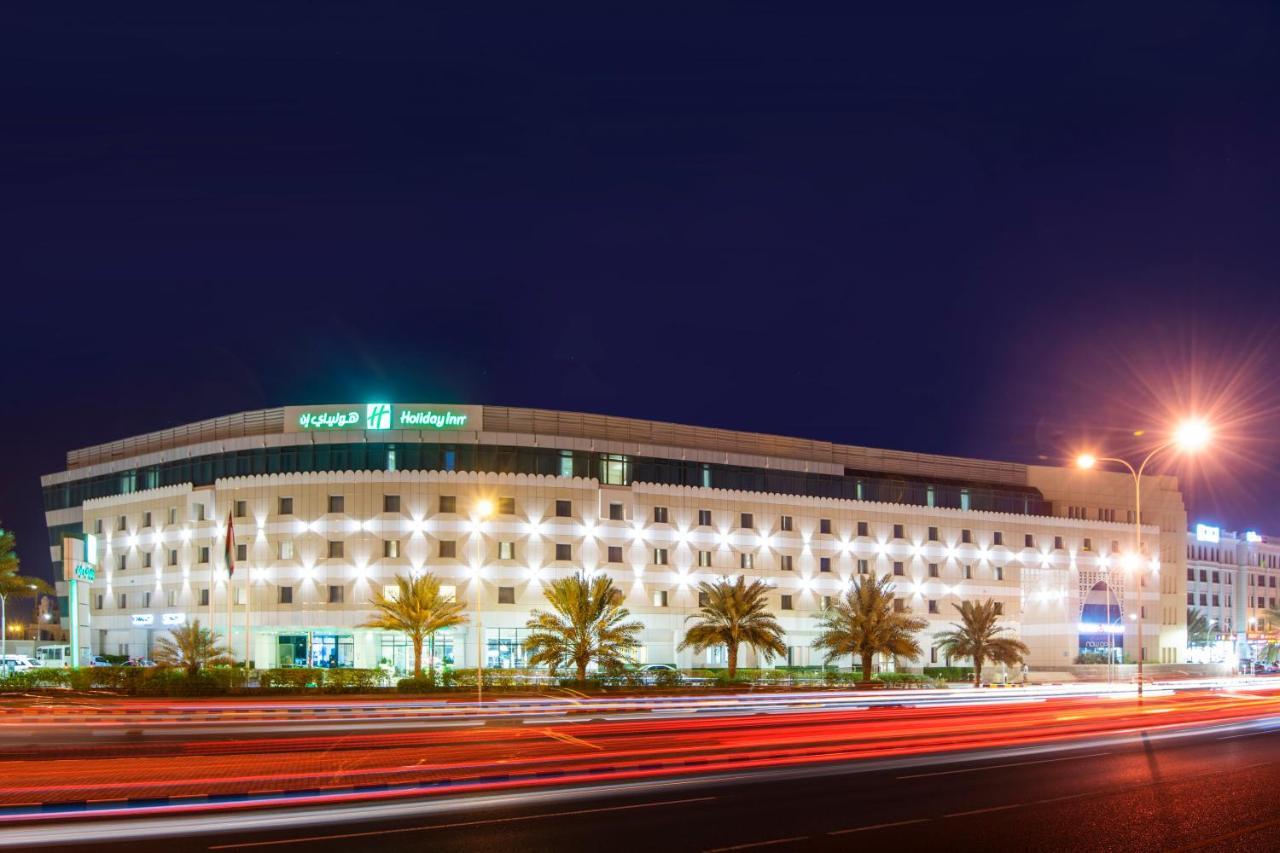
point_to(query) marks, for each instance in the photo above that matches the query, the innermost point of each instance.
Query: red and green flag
(229, 546)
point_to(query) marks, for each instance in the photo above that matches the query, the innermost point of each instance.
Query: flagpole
(230, 544)
(213, 568)
(248, 604)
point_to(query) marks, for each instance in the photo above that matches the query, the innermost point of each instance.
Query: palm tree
(13, 585)
(418, 609)
(863, 622)
(587, 622)
(191, 647)
(735, 612)
(975, 638)
(1199, 634)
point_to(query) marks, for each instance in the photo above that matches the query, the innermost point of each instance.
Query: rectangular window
(898, 531)
(506, 595)
(615, 553)
(564, 552)
(786, 603)
(335, 549)
(173, 556)
(863, 528)
(204, 553)
(146, 519)
(447, 549)
(933, 534)
(933, 606)
(704, 559)
(824, 564)
(933, 570)
(659, 598)
(863, 567)
(286, 595)
(1215, 577)
(659, 556)
(1088, 544)
(286, 549)
(968, 572)
(827, 601)
(748, 521)
(120, 563)
(997, 538)
(284, 506)
(784, 562)
(615, 512)
(966, 535)
(146, 558)
(824, 525)
(448, 503)
(785, 523)
(999, 570)
(659, 515)
(122, 524)
(703, 599)
(335, 594)
(200, 512)
(146, 600)
(899, 606)
(173, 515)
(899, 569)
(204, 598)
(506, 506)
(97, 526)
(506, 550)
(337, 503)
(746, 561)
(171, 598)
(242, 552)
(124, 600)
(1057, 543)
(999, 608)
(1028, 540)
(390, 503)
(391, 549)
(564, 509)
(704, 518)
(241, 509)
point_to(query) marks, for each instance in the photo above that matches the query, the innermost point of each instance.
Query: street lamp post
(483, 510)
(1190, 436)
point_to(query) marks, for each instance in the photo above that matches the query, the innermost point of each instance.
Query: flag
(229, 546)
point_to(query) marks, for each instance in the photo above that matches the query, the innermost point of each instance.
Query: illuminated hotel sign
(382, 416)
(1252, 536)
(1206, 533)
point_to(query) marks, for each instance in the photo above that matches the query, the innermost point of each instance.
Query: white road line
(999, 766)
(1248, 734)
(458, 825)
(879, 826)
(768, 843)
(984, 811)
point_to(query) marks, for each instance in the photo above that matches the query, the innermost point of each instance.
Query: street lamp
(1189, 436)
(483, 509)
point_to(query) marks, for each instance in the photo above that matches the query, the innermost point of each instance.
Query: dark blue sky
(990, 235)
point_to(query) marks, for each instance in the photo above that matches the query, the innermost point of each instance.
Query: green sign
(331, 420)
(85, 572)
(382, 416)
(411, 418)
(378, 416)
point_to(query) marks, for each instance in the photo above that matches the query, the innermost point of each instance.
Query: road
(1010, 771)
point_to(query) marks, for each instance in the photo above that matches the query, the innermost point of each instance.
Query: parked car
(16, 663)
(139, 662)
(99, 660)
(650, 673)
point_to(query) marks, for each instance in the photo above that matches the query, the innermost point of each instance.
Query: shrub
(293, 680)
(666, 678)
(950, 673)
(415, 685)
(351, 680)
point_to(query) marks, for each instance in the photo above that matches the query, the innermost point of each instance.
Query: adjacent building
(328, 503)
(1232, 579)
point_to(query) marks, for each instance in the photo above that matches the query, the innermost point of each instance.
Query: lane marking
(1000, 766)
(569, 739)
(1217, 839)
(879, 826)
(309, 838)
(1248, 734)
(984, 811)
(759, 844)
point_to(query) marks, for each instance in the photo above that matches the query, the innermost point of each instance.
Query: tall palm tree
(975, 637)
(1199, 633)
(586, 622)
(735, 613)
(13, 585)
(864, 623)
(418, 609)
(191, 647)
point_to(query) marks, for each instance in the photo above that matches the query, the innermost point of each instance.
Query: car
(16, 663)
(99, 660)
(139, 662)
(655, 672)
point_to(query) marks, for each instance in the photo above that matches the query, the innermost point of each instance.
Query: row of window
(1254, 580)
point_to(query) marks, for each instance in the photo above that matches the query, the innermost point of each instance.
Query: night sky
(1001, 236)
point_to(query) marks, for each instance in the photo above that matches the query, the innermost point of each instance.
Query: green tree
(191, 647)
(1199, 632)
(735, 612)
(864, 623)
(976, 637)
(13, 585)
(587, 622)
(418, 609)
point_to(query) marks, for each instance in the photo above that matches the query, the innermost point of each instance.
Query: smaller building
(1233, 578)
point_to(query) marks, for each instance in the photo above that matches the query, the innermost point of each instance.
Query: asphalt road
(1212, 790)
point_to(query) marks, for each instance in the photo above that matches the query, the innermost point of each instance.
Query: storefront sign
(143, 619)
(381, 416)
(173, 618)
(1206, 533)
(1252, 536)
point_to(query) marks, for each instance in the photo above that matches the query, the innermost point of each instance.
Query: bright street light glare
(1192, 434)
(1086, 460)
(484, 508)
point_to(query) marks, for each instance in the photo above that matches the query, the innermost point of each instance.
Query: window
(899, 606)
(390, 503)
(703, 599)
(124, 600)
(824, 525)
(659, 556)
(146, 519)
(506, 595)
(1028, 540)
(784, 562)
(1115, 546)
(746, 561)
(1088, 544)
(146, 558)
(786, 603)
(997, 538)
(785, 523)
(659, 515)
(933, 570)
(204, 598)
(335, 549)
(1057, 543)
(204, 553)
(448, 503)
(97, 526)
(564, 552)
(337, 503)
(968, 572)
(447, 549)
(284, 506)
(564, 509)
(615, 512)
(242, 552)
(200, 512)
(173, 515)
(704, 559)
(659, 598)
(506, 550)
(241, 509)
(899, 569)
(863, 528)
(824, 564)
(286, 549)
(122, 524)
(704, 518)
(506, 506)
(747, 520)
(863, 567)
(615, 554)
(933, 606)
(933, 534)
(171, 598)
(285, 595)
(335, 594)
(120, 563)
(97, 601)
(173, 556)
(999, 572)
(1191, 598)
(566, 463)
(966, 535)
(898, 532)
(390, 549)
(999, 608)
(146, 600)
(1215, 577)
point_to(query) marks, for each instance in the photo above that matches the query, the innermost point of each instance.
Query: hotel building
(329, 503)
(1233, 578)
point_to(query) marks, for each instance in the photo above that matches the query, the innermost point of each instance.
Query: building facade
(1233, 578)
(328, 504)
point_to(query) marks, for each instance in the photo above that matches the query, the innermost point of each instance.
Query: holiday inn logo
(378, 416)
